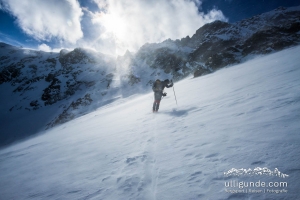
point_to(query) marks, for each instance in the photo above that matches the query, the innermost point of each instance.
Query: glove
(164, 94)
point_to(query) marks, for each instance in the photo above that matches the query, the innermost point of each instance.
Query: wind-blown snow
(245, 116)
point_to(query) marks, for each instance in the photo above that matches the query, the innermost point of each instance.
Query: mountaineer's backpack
(157, 86)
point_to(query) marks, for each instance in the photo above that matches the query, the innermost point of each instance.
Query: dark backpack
(157, 86)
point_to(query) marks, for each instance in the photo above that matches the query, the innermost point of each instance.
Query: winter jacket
(159, 86)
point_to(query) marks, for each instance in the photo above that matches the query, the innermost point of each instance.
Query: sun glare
(114, 28)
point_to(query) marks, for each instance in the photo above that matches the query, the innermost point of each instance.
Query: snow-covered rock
(219, 44)
(50, 83)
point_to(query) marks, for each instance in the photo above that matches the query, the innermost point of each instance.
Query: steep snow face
(245, 116)
(44, 89)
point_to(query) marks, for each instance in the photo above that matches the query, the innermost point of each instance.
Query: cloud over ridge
(108, 26)
(133, 23)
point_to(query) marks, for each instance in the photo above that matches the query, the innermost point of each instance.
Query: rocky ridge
(219, 44)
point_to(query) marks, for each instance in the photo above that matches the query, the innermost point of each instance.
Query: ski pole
(174, 93)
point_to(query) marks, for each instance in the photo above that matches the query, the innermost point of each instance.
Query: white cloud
(132, 23)
(44, 47)
(46, 20)
(114, 28)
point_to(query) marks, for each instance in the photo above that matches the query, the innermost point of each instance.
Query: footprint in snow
(258, 163)
(198, 156)
(195, 175)
(105, 178)
(206, 143)
(136, 158)
(211, 155)
(188, 154)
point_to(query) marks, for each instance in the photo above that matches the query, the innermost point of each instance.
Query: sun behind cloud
(130, 24)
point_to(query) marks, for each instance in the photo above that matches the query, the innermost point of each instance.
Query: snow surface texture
(245, 116)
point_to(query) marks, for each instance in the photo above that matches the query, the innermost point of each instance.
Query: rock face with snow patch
(62, 75)
(219, 44)
(60, 85)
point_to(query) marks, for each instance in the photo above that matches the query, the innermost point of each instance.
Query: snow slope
(45, 89)
(245, 116)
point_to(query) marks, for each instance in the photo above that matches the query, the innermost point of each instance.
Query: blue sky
(114, 26)
(236, 10)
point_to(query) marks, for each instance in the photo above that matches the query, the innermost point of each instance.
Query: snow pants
(157, 99)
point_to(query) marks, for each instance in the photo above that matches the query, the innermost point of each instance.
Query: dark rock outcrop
(219, 44)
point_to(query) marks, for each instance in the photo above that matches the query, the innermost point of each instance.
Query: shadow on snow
(178, 112)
